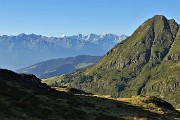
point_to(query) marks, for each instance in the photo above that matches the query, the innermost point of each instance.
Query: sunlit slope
(146, 63)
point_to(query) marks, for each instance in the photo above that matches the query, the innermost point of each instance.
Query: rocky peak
(146, 63)
(150, 43)
(145, 49)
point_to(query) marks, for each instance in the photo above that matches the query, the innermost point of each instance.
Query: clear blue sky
(69, 17)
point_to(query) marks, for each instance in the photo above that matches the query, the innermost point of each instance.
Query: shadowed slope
(24, 97)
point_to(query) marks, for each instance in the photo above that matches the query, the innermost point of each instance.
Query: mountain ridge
(59, 66)
(22, 48)
(146, 63)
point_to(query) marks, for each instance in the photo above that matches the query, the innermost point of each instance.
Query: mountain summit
(146, 63)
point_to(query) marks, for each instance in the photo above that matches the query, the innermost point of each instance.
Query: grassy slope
(167, 73)
(140, 107)
(138, 65)
(24, 97)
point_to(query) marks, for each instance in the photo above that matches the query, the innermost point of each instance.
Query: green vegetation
(146, 63)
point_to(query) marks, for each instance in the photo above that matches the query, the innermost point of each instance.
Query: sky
(70, 17)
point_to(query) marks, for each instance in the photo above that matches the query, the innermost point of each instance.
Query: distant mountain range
(24, 50)
(59, 66)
